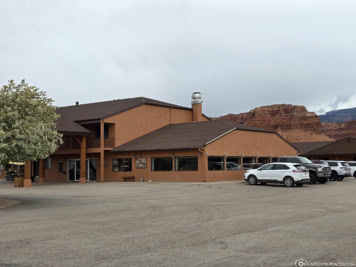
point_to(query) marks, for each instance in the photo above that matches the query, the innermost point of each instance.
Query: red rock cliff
(339, 131)
(295, 123)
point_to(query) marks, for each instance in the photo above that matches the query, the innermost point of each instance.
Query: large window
(186, 163)
(48, 163)
(216, 163)
(60, 166)
(162, 164)
(122, 165)
(98, 131)
(233, 163)
(249, 163)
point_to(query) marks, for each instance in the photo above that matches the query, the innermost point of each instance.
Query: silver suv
(339, 169)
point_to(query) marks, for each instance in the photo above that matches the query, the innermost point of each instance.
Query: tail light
(298, 171)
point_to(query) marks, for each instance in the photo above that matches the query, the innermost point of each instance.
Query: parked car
(289, 174)
(352, 165)
(317, 172)
(340, 169)
(320, 162)
(9, 176)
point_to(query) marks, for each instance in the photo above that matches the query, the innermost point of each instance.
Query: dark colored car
(317, 172)
(9, 176)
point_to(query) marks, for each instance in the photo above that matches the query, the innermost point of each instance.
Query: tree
(27, 123)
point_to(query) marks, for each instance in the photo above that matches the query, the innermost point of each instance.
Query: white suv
(339, 169)
(352, 165)
(289, 174)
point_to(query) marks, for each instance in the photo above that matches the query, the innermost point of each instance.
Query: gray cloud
(239, 54)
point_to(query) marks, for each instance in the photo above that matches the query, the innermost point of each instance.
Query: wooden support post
(83, 160)
(42, 178)
(102, 151)
(27, 181)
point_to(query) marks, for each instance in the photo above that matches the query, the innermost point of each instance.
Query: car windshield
(345, 164)
(305, 160)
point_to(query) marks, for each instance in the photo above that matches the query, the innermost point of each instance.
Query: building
(344, 149)
(141, 139)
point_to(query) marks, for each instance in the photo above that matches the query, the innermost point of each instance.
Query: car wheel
(323, 180)
(313, 178)
(288, 181)
(334, 176)
(355, 175)
(252, 180)
(300, 185)
(339, 178)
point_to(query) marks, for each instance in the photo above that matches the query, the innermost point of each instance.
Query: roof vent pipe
(197, 106)
(196, 98)
(77, 103)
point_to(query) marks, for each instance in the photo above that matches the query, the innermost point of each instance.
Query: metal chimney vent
(196, 98)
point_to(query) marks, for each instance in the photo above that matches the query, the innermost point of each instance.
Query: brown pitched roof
(341, 147)
(305, 147)
(69, 127)
(70, 115)
(191, 135)
(101, 110)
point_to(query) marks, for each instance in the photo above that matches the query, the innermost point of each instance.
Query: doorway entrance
(74, 169)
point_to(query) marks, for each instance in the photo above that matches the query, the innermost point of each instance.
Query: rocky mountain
(295, 123)
(339, 131)
(341, 115)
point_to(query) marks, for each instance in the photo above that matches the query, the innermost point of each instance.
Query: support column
(42, 178)
(102, 151)
(27, 181)
(83, 160)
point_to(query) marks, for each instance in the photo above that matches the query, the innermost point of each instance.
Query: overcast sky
(240, 54)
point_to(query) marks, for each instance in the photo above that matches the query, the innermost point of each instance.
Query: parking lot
(178, 224)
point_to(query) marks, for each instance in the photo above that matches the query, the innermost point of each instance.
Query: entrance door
(74, 169)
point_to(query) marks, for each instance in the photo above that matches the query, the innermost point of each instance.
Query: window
(48, 163)
(249, 163)
(233, 163)
(122, 165)
(186, 163)
(283, 160)
(106, 131)
(264, 160)
(280, 167)
(332, 164)
(216, 163)
(267, 167)
(60, 166)
(162, 164)
(353, 164)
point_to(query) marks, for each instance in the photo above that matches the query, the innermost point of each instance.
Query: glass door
(74, 169)
(71, 170)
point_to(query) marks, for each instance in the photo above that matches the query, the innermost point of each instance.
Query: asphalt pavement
(178, 224)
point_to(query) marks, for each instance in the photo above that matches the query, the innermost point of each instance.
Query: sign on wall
(141, 163)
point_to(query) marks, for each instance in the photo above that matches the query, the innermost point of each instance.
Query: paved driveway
(171, 224)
